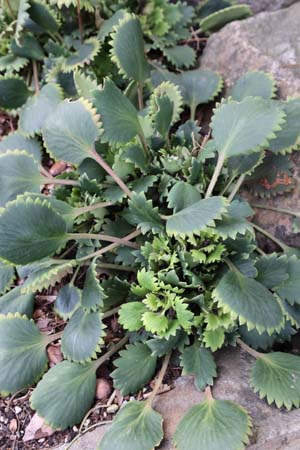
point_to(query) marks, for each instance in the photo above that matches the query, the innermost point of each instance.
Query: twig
(215, 176)
(159, 379)
(236, 187)
(111, 352)
(35, 77)
(80, 24)
(111, 312)
(102, 237)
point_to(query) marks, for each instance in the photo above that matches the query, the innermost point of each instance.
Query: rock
(273, 429)
(267, 5)
(270, 42)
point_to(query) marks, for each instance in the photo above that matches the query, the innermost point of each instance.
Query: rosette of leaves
(145, 196)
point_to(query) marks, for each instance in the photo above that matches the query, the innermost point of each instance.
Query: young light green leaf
(19, 173)
(13, 92)
(82, 336)
(71, 130)
(37, 109)
(67, 301)
(289, 289)
(245, 127)
(142, 213)
(16, 141)
(249, 301)
(119, 116)
(214, 339)
(22, 353)
(198, 361)
(253, 84)
(135, 367)
(276, 376)
(212, 425)
(130, 315)
(65, 394)
(128, 50)
(136, 427)
(92, 293)
(16, 302)
(197, 216)
(218, 19)
(30, 230)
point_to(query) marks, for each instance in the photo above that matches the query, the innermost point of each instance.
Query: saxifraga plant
(150, 197)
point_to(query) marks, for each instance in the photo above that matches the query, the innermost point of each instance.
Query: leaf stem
(279, 210)
(111, 352)
(53, 337)
(89, 208)
(228, 184)
(110, 247)
(144, 144)
(110, 172)
(248, 349)
(10, 8)
(237, 186)
(79, 18)
(116, 267)
(61, 181)
(140, 95)
(101, 237)
(214, 179)
(208, 394)
(159, 379)
(35, 77)
(270, 236)
(111, 312)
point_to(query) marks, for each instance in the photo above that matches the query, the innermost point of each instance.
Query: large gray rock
(269, 41)
(273, 429)
(267, 5)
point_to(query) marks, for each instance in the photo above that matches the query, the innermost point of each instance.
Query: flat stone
(269, 41)
(267, 5)
(273, 429)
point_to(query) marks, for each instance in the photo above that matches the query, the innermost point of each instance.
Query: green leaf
(30, 230)
(234, 221)
(288, 138)
(43, 15)
(16, 302)
(135, 367)
(218, 19)
(136, 427)
(11, 63)
(22, 353)
(211, 6)
(28, 47)
(249, 301)
(170, 90)
(128, 50)
(119, 116)
(182, 195)
(180, 55)
(16, 141)
(276, 376)
(162, 114)
(130, 315)
(37, 108)
(67, 301)
(253, 84)
(23, 16)
(70, 131)
(199, 86)
(108, 25)
(46, 274)
(92, 293)
(85, 53)
(7, 276)
(156, 323)
(82, 336)
(289, 289)
(13, 92)
(212, 425)
(214, 339)
(19, 173)
(246, 164)
(198, 361)
(142, 213)
(85, 85)
(245, 127)
(65, 394)
(160, 346)
(272, 270)
(197, 216)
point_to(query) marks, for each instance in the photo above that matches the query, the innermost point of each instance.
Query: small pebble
(112, 409)
(75, 429)
(41, 440)
(18, 409)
